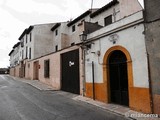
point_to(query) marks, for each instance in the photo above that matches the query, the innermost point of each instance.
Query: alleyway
(20, 101)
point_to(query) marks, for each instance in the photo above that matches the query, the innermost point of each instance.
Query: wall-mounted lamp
(83, 36)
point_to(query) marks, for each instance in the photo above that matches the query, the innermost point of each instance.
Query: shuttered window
(56, 32)
(46, 68)
(73, 28)
(29, 53)
(30, 37)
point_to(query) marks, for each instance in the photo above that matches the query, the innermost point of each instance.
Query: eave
(55, 26)
(16, 45)
(29, 29)
(106, 7)
(22, 35)
(11, 52)
(79, 18)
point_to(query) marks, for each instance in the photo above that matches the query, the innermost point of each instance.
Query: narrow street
(21, 101)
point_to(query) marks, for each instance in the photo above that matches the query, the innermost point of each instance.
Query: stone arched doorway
(117, 74)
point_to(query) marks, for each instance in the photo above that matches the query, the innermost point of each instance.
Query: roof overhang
(22, 35)
(16, 45)
(79, 18)
(109, 5)
(29, 29)
(26, 31)
(11, 52)
(55, 26)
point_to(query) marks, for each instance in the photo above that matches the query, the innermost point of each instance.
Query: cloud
(29, 6)
(73, 8)
(16, 15)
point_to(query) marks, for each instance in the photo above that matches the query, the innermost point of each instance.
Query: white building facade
(116, 64)
(14, 55)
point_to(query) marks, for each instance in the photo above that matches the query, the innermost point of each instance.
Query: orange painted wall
(156, 105)
(100, 91)
(139, 99)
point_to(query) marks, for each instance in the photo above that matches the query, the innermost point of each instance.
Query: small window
(29, 53)
(22, 54)
(108, 20)
(56, 48)
(56, 32)
(26, 52)
(26, 38)
(46, 68)
(73, 28)
(30, 37)
(22, 42)
(72, 44)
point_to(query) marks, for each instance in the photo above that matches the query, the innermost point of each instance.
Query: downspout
(93, 86)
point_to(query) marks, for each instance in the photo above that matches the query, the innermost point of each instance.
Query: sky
(16, 15)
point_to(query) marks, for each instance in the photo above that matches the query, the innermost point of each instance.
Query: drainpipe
(93, 88)
(150, 84)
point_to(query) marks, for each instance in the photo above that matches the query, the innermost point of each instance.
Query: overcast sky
(16, 15)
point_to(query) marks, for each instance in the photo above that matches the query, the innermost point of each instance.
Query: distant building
(36, 41)
(14, 55)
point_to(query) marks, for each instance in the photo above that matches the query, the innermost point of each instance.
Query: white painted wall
(132, 39)
(42, 40)
(74, 36)
(57, 39)
(100, 18)
(128, 7)
(14, 57)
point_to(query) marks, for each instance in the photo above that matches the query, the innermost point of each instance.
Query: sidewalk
(35, 83)
(118, 109)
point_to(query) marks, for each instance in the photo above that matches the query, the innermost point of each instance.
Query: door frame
(106, 70)
(36, 70)
(115, 77)
(61, 57)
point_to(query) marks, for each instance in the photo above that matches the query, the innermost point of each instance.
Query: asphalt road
(21, 101)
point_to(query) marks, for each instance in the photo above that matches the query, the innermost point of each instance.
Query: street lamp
(83, 36)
